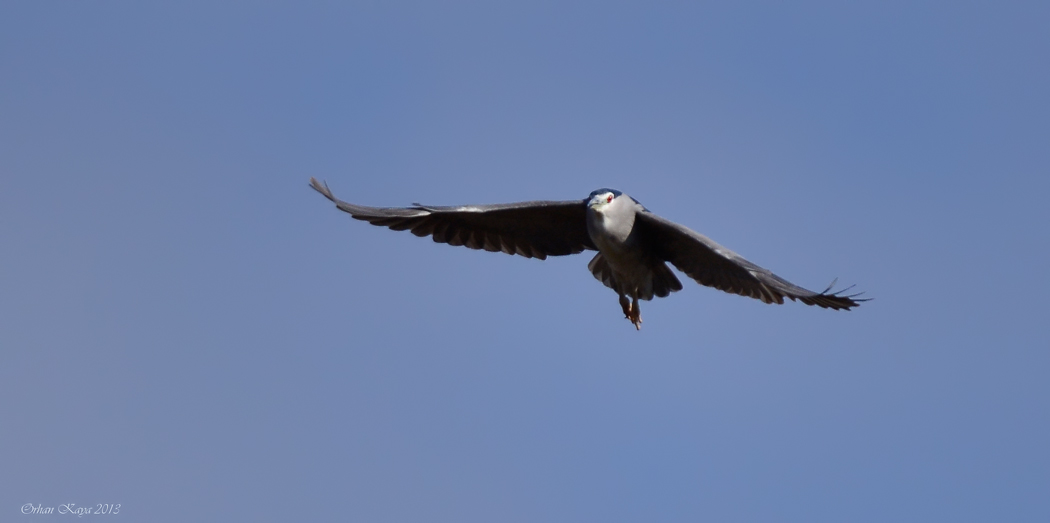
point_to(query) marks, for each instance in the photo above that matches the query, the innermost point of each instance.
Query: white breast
(611, 234)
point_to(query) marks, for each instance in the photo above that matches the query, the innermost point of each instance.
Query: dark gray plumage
(633, 245)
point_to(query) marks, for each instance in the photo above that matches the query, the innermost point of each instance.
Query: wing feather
(715, 266)
(531, 229)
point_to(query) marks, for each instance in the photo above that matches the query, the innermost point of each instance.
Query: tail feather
(601, 270)
(664, 281)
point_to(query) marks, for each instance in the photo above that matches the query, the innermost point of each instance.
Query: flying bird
(634, 245)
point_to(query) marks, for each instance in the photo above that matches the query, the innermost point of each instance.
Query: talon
(636, 315)
(631, 311)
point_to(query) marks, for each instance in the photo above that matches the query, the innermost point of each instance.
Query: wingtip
(846, 301)
(838, 300)
(321, 187)
(830, 285)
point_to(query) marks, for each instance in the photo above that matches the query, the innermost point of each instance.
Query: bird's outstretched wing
(715, 266)
(530, 229)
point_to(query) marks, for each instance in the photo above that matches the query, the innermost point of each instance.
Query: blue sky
(187, 329)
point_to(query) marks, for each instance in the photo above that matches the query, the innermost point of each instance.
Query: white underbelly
(628, 264)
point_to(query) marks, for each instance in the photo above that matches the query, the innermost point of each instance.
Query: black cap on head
(605, 190)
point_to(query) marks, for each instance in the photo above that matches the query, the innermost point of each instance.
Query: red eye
(609, 199)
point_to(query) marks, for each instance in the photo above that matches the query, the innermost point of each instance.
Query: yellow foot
(636, 319)
(631, 311)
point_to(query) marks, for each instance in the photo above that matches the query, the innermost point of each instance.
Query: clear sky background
(187, 329)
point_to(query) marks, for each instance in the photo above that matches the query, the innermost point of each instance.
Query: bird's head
(600, 199)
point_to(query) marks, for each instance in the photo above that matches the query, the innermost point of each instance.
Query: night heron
(633, 245)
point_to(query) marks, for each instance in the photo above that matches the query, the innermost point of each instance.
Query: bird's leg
(631, 311)
(636, 314)
(626, 305)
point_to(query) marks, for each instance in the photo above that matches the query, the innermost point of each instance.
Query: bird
(634, 245)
